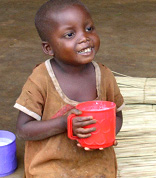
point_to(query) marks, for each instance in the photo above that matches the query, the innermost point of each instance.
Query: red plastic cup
(105, 114)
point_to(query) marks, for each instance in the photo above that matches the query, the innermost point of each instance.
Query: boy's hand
(80, 122)
(88, 149)
(85, 148)
(115, 143)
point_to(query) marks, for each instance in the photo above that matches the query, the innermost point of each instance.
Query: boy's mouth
(85, 51)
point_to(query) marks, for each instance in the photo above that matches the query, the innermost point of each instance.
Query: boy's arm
(119, 121)
(28, 128)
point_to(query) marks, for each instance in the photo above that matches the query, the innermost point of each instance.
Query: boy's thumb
(75, 111)
(115, 143)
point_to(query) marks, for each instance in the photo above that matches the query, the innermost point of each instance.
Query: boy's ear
(47, 48)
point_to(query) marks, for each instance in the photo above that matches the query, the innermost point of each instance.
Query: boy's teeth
(85, 50)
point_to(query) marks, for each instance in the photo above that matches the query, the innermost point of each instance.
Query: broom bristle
(136, 151)
(137, 90)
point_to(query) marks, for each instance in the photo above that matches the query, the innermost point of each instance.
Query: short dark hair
(41, 19)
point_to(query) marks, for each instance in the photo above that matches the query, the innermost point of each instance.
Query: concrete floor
(128, 45)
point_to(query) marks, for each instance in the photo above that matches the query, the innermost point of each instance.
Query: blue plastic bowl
(8, 159)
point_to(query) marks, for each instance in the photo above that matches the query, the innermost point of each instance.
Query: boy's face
(73, 39)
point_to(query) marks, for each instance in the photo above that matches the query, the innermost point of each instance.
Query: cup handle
(70, 128)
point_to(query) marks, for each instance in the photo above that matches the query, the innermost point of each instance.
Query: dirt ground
(127, 29)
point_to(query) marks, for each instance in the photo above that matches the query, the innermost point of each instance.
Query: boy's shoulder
(39, 74)
(105, 70)
(39, 70)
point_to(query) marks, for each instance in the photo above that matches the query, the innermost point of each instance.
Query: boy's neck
(69, 69)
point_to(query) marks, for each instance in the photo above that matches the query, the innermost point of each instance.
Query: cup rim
(112, 105)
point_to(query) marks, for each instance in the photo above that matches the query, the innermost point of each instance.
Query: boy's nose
(84, 38)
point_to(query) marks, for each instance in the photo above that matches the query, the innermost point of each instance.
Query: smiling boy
(54, 89)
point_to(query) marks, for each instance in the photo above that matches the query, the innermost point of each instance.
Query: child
(53, 90)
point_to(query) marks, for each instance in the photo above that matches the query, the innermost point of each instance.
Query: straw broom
(136, 151)
(137, 90)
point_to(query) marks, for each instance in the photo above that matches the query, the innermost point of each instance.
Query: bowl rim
(10, 133)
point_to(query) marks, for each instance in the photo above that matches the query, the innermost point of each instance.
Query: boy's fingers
(75, 111)
(85, 130)
(84, 118)
(79, 122)
(78, 144)
(83, 135)
(115, 143)
(87, 149)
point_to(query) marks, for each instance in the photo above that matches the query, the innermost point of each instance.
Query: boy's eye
(89, 29)
(69, 35)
